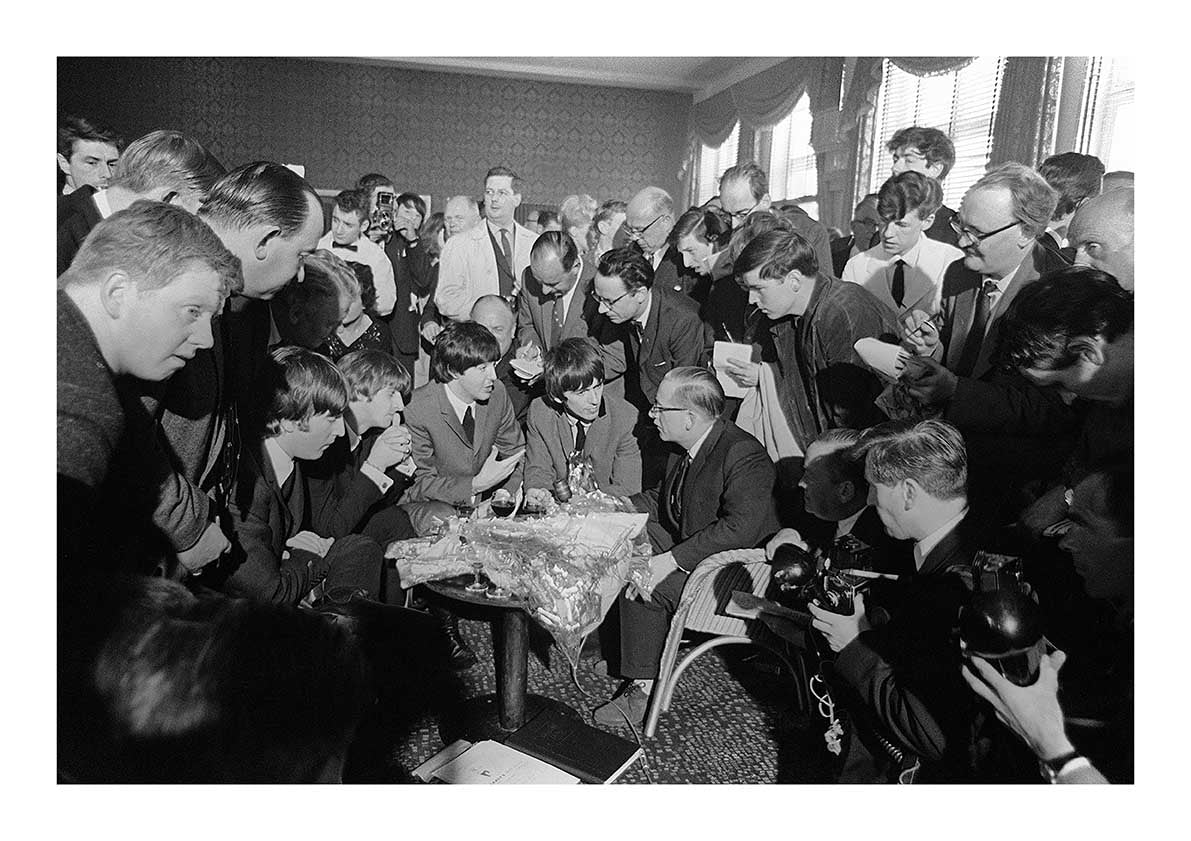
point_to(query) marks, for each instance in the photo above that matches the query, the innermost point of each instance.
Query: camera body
(383, 217)
(997, 572)
(803, 577)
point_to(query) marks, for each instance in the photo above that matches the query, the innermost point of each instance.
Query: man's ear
(927, 221)
(1089, 349)
(516, 199)
(63, 164)
(115, 292)
(288, 426)
(365, 224)
(265, 239)
(935, 170)
(845, 491)
(910, 493)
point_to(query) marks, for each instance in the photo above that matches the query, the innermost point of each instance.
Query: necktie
(556, 318)
(638, 331)
(975, 338)
(506, 286)
(469, 426)
(580, 437)
(345, 247)
(676, 489)
(899, 282)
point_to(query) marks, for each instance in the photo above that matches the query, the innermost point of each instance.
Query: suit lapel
(452, 420)
(578, 305)
(1026, 274)
(502, 265)
(650, 334)
(962, 312)
(699, 463)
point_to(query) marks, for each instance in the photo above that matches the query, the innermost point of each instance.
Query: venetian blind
(712, 163)
(962, 104)
(792, 172)
(1106, 124)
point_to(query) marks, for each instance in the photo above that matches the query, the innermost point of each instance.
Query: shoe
(459, 655)
(600, 667)
(630, 704)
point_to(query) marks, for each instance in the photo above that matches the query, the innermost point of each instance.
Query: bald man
(494, 312)
(1101, 232)
(460, 214)
(649, 221)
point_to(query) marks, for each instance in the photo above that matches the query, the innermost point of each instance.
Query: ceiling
(701, 76)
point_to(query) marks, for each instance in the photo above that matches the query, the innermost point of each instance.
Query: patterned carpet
(732, 719)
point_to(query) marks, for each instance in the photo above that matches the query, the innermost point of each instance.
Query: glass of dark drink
(503, 507)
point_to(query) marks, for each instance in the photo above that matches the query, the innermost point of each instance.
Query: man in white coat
(488, 259)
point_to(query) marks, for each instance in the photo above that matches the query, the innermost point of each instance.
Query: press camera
(803, 577)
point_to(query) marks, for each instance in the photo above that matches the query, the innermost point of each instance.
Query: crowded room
(595, 420)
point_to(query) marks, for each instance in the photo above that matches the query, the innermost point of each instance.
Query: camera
(383, 216)
(997, 572)
(803, 577)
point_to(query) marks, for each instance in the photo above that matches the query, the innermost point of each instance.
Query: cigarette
(866, 573)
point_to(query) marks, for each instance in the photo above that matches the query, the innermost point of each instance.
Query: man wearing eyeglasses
(866, 222)
(929, 151)
(488, 259)
(717, 495)
(648, 223)
(744, 189)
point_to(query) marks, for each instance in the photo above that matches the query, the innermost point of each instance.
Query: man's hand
(659, 567)
(839, 630)
(744, 374)
(1032, 712)
(430, 331)
(392, 447)
(311, 542)
(494, 470)
(211, 544)
(537, 497)
(919, 334)
(782, 537)
(928, 381)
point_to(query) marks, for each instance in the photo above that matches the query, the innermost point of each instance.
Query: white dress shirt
(374, 257)
(926, 262)
(281, 461)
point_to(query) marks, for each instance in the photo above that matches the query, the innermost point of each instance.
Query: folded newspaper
(568, 566)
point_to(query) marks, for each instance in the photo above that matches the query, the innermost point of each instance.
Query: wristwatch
(1052, 768)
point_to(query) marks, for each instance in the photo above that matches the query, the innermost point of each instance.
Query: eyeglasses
(636, 233)
(975, 235)
(740, 214)
(657, 409)
(604, 302)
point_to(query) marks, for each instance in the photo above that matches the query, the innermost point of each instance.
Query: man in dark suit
(411, 273)
(554, 303)
(901, 680)
(931, 152)
(277, 556)
(717, 495)
(648, 225)
(866, 222)
(87, 154)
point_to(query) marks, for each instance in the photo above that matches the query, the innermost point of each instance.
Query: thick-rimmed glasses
(657, 409)
(604, 302)
(741, 214)
(636, 233)
(975, 235)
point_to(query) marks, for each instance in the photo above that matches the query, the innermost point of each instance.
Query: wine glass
(477, 586)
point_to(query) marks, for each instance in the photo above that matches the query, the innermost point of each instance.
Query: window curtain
(930, 65)
(760, 101)
(1025, 123)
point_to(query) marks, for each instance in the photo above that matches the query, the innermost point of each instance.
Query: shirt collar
(497, 229)
(100, 197)
(910, 258)
(353, 437)
(643, 318)
(1004, 282)
(924, 546)
(458, 405)
(279, 459)
(845, 526)
(694, 448)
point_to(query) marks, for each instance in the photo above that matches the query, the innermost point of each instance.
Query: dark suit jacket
(533, 322)
(673, 276)
(411, 273)
(941, 229)
(445, 463)
(841, 249)
(77, 215)
(263, 522)
(674, 337)
(341, 497)
(906, 674)
(727, 498)
(610, 444)
(812, 231)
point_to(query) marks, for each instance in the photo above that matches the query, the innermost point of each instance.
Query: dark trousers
(644, 626)
(355, 564)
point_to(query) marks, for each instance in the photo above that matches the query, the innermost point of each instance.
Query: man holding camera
(350, 220)
(900, 681)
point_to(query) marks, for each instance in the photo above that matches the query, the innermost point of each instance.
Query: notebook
(491, 763)
(592, 755)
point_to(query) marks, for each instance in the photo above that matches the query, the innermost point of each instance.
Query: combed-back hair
(354, 201)
(698, 389)
(74, 128)
(559, 243)
(934, 145)
(260, 193)
(843, 460)
(413, 201)
(372, 180)
(931, 452)
(628, 264)
(907, 193)
(660, 202)
(302, 384)
(709, 225)
(1048, 314)
(578, 211)
(750, 171)
(777, 253)
(460, 346)
(167, 160)
(573, 365)
(516, 184)
(371, 371)
(1074, 176)
(153, 243)
(1033, 199)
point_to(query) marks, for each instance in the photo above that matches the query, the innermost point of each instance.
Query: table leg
(512, 668)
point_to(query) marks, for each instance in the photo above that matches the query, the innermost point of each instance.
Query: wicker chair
(702, 608)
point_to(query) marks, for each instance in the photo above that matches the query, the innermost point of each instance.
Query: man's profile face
(650, 229)
(310, 443)
(500, 200)
(548, 271)
(865, 224)
(900, 235)
(614, 299)
(264, 278)
(891, 509)
(670, 424)
(500, 323)
(696, 254)
(776, 298)
(985, 210)
(346, 226)
(1103, 557)
(477, 382)
(91, 163)
(736, 198)
(910, 159)
(379, 410)
(166, 326)
(1104, 377)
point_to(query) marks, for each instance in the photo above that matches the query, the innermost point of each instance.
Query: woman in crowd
(361, 328)
(604, 225)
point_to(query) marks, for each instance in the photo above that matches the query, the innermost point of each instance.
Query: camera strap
(835, 730)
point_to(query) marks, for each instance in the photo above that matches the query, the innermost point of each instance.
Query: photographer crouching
(909, 712)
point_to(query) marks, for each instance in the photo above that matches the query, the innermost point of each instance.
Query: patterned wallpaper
(433, 133)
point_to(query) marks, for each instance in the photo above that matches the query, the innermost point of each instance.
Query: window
(792, 173)
(962, 104)
(712, 163)
(1106, 124)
